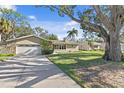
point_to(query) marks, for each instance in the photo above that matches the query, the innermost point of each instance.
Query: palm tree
(72, 34)
(5, 27)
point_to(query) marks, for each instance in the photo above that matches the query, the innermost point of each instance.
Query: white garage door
(28, 49)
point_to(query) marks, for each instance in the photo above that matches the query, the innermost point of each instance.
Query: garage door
(28, 49)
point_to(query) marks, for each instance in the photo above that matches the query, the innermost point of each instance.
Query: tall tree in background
(16, 19)
(72, 34)
(105, 20)
(23, 30)
(40, 32)
(91, 37)
(52, 37)
(5, 29)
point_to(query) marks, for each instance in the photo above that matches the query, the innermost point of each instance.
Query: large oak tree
(105, 20)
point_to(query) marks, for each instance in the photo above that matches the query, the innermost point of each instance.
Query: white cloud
(32, 17)
(8, 7)
(71, 23)
(57, 28)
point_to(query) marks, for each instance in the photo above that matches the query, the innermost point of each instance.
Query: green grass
(68, 62)
(5, 56)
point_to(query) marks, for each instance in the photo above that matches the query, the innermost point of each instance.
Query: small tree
(5, 29)
(52, 37)
(15, 18)
(47, 47)
(23, 30)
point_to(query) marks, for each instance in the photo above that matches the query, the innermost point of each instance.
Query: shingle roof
(23, 37)
(63, 42)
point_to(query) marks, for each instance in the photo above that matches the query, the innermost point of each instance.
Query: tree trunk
(112, 47)
(0, 37)
(107, 49)
(115, 49)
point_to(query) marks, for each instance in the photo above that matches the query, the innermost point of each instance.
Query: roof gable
(22, 38)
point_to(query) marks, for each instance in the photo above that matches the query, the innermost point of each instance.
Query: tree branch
(103, 18)
(96, 28)
(69, 15)
(117, 16)
(90, 26)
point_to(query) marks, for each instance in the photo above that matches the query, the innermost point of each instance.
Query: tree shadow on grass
(75, 55)
(89, 71)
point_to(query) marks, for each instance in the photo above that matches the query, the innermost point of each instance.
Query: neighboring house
(68, 46)
(25, 45)
(84, 46)
(98, 45)
(93, 46)
(64, 46)
(122, 47)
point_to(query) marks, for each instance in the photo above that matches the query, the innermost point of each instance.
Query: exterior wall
(8, 49)
(29, 40)
(84, 47)
(102, 46)
(59, 50)
(97, 46)
(68, 49)
(72, 49)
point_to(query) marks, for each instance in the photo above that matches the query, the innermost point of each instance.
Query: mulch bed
(102, 76)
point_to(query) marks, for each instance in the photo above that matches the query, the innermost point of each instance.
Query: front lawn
(88, 69)
(5, 56)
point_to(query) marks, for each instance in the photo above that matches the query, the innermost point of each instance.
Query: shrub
(47, 47)
(3, 55)
(47, 51)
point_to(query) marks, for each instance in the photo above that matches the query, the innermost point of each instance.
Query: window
(59, 46)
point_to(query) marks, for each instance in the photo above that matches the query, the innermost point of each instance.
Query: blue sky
(50, 21)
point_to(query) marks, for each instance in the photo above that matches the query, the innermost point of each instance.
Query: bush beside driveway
(5, 56)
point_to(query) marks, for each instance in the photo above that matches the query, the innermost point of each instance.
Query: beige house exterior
(94, 46)
(31, 45)
(84, 46)
(23, 45)
(64, 46)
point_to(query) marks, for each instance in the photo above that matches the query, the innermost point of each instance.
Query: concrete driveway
(33, 71)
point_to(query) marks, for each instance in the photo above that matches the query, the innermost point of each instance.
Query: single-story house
(64, 46)
(92, 46)
(122, 47)
(84, 46)
(23, 45)
(31, 45)
(98, 45)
